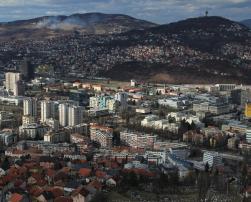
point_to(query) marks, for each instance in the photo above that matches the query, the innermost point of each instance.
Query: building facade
(212, 158)
(138, 140)
(248, 110)
(248, 136)
(30, 107)
(75, 115)
(122, 97)
(63, 114)
(102, 135)
(47, 110)
(11, 81)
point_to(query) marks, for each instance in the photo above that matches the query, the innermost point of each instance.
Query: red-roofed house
(20, 183)
(15, 197)
(80, 195)
(84, 172)
(100, 174)
(35, 191)
(63, 199)
(56, 192)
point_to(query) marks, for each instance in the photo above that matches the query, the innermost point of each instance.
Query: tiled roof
(16, 197)
(18, 183)
(35, 191)
(85, 172)
(56, 192)
(37, 176)
(100, 174)
(63, 199)
(81, 190)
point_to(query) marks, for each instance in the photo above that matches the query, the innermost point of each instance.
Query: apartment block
(138, 140)
(102, 135)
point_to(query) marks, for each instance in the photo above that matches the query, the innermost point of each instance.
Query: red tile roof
(18, 183)
(85, 172)
(100, 174)
(13, 171)
(63, 199)
(16, 197)
(35, 191)
(56, 192)
(37, 176)
(7, 178)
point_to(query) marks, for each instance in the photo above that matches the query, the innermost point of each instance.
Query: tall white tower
(30, 107)
(18, 88)
(63, 114)
(75, 115)
(12, 81)
(47, 110)
(122, 98)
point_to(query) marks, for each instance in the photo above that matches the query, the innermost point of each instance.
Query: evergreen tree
(133, 179)
(6, 164)
(203, 185)
(193, 126)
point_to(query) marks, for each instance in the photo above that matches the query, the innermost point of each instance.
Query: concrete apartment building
(47, 110)
(70, 115)
(102, 135)
(30, 107)
(63, 114)
(138, 140)
(13, 82)
(75, 116)
(212, 158)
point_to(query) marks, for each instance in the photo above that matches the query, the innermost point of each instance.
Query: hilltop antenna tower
(206, 13)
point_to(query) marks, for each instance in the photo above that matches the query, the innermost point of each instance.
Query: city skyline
(158, 11)
(96, 105)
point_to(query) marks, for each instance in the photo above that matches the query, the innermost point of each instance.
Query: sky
(158, 11)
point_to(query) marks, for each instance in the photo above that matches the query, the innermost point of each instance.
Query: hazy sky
(160, 11)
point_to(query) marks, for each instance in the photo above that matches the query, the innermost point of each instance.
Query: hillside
(246, 22)
(54, 26)
(198, 50)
